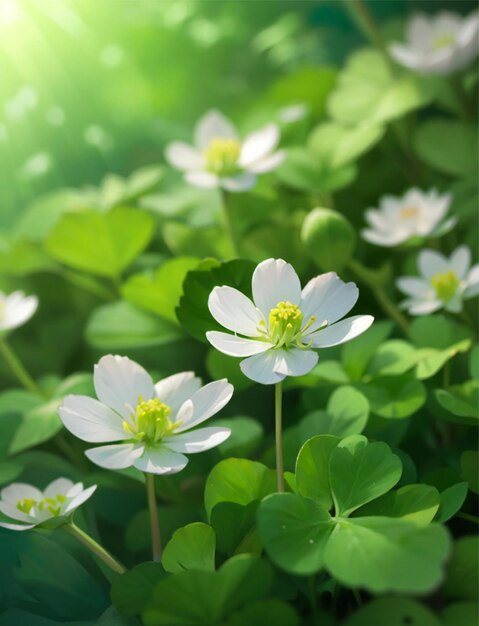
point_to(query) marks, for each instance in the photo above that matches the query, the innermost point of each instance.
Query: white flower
(444, 282)
(151, 421)
(220, 159)
(416, 214)
(280, 329)
(16, 309)
(30, 506)
(440, 44)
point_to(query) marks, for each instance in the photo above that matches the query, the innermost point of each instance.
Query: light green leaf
(312, 469)
(360, 472)
(437, 331)
(395, 397)
(461, 400)
(393, 611)
(100, 243)
(355, 355)
(414, 503)
(340, 144)
(121, 325)
(452, 499)
(191, 547)
(238, 480)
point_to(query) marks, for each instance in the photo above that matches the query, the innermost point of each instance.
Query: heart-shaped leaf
(191, 547)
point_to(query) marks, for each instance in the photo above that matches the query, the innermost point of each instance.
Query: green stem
(367, 25)
(17, 368)
(228, 220)
(95, 547)
(154, 522)
(380, 294)
(468, 517)
(278, 416)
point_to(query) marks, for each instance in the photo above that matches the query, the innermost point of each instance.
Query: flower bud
(329, 239)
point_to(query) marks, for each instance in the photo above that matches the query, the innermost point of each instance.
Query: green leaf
(191, 547)
(346, 414)
(355, 355)
(207, 241)
(368, 90)
(193, 312)
(295, 531)
(360, 472)
(395, 397)
(474, 362)
(238, 480)
(9, 470)
(340, 144)
(451, 146)
(160, 293)
(264, 612)
(462, 582)
(461, 400)
(193, 598)
(312, 469)
(470, 469)
(452, 499)
(221, 365)
(20, 258)
(393, 611)
(414, 503)
(121, 325)
(131, 591)
(384, 554)
(464, 613)
(100, 243)
(234, 525)
(436, 331)
(246, 435)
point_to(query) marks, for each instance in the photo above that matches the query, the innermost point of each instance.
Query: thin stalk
(228, 220)
(312, 593)
(95, 547)
(367, 25)
(154, 522)
(18, 369)
(278, 416)
(380, 294)
(468, 517)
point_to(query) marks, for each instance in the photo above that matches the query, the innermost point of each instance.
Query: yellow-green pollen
(443, 41)
(409, 212)
(445, 284)
(150, 421)
(221, 156)
(52, 505)
(285, 323)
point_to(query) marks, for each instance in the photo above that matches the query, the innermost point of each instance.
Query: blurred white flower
(37, 165)
(416, 214)
(16, 309)
(280, 329)
(293, 113)
(439, 44)
(151, 421)
(443, 282)
(30, 506)
(220, 159)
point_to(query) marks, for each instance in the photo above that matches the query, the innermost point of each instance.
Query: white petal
(161, 460)
(213, 125)
(241, 182)
(18, 309)
(342, 331)
(413, 286)
(460, 261)
(91, 420)
(261, 368)
(119, 382)
(472, 282)
(275, 281)
(455, 304)
(233, 310)
(424, 307)
(19, 491)
(183, 157)
(268, 163)
(419, 31)
(116, 456)
(328, 298)
(204, 403)
(236, 346)
(175, 389)
(10, 510)
(259, 144)
(204, 180)
(80, 499)
(406, 56)
(384, 239)
(17, 526)
(197, 440)
(431, 262)
(295, 362)
(59, 487)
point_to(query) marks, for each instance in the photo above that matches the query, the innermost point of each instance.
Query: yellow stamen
(445, 284)
(408, 212)
(150, 422)
(221, 156)
(443, 41)
(25, 505)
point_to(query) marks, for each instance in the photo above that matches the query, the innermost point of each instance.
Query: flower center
(445, 284)
(443, 41)
(285, 323)
(52, 505)
(150, 422)
(409, 212)
(221, 156)
(25, 505)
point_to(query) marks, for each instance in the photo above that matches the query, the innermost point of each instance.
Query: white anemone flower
(439, 44)
(16, 309)
(280, 329)
(415, 214)
(151, 423)
(444, 282)
(30, 507)
(220, 158)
